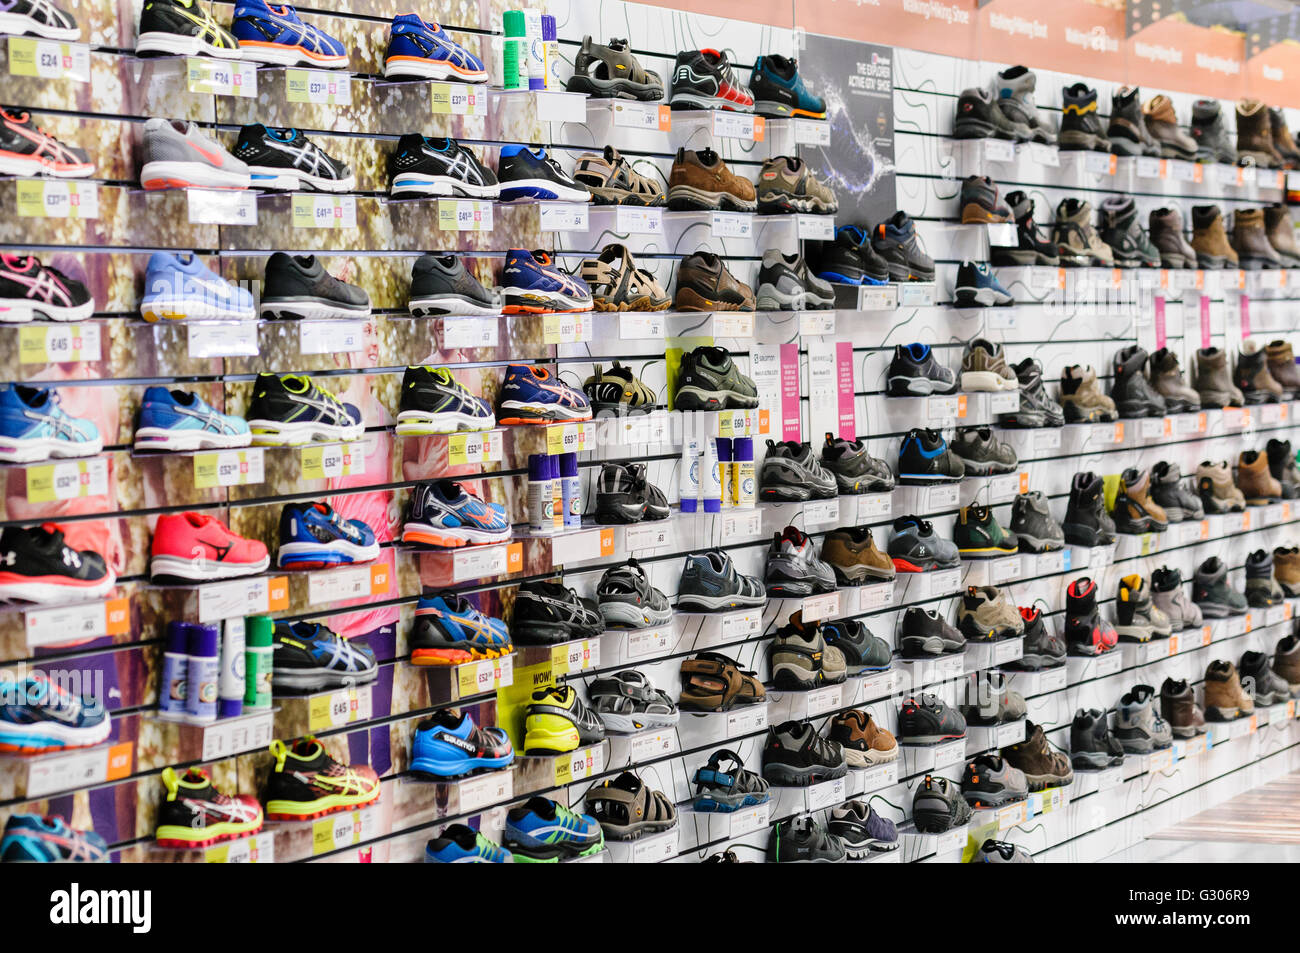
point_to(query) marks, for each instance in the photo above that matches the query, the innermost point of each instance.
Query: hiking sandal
(713, 682)
(627, 809)
(612, 180)
(612, 72)
(628, 702)
(617, 284)
(619, 391)
(719, 791)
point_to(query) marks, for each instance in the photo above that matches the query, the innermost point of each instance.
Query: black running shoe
(440, 284)
(309, 657)
(924, 633)
(298, 286)
(286, 160)
(855, 470)
(547, 613)
(422, 166)
(39, 18)
(290, 410)
(925, 458)
(914, 372)
(181, 28)
(792, 474)
(525, 174)
(623, 495)
(801, 840)
(39, 566)
(28, 289)
(434, 402)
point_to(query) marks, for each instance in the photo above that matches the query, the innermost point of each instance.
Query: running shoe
(286, 160)
(177, 155)
(448, 630)
(311, 658)
(181, 420)
(179, 287)
(444, 513)
(627, 600)
(435, 402)
(314, 536)
(459, 844)
(440, 284)
(547, 613)
(183, 28)
(862, 830)
(557, 722)
(38, 566)
(420, 50)
(305, 782)
(270, 34)
(30, 838)
(525, 174)
(29, 290)
(291, 410)
(38, 715)
(195, 814)
(34, 427)
(27, 149)
(450, 745)
(540, 831)
(38, 18)
(200, 548)
(534, 284)
(423, 166)
(531, 395)
(298, 286)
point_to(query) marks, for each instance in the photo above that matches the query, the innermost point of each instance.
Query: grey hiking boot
(854, 469)
(1138, 726)
(1132, 392)
(980, 116)
(895, 241)
(916, 547)
(984, 368)
(1136, 617)
(1120, 230)
(796, 755)
(983, 453)
(1212, 142)
(1172, 495)
(793, 569)
(1080, 121)
(1037, 409)
(1077, 240)
(710, 380)
(1212, 593)
(801, 840)
(1033, 526)
(1262, 589)
(1014, 89)
(1167, 378)
(1267, 687)
(792, 473)
(995, 703)
(1127, 130)
(1170, 597)
(801, 659)
(990, 782)
(938, 806)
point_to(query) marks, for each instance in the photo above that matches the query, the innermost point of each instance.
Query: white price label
(821, 512)
(486, 790)
(67, 480)
(458, 332)
(563, 216)
(812, 132)
(55, 343)
(478, 562)
(949, 753)
(66, 772)
(640, 325)
(877, 596)
(221, 206)
(826, 794)
(821, 700)
(943, 583)
(878, 298)
(816, 228)
(939, 409)
(742, 525)
(740, 823)
(942, 497)
(229, 600)
(207, 339)
(651, 744)
(875, 506)
(646, 536)
(825, 606)
(999, 150)
(556, 106)
(741, 625)
(1005, 570)
(1044, 154)
(746, 721)
(69, 624)
(634, 115)
(816, 323)
(731, 224)
(1149, 167)
(336, 585)
(245, 733)
(733, 324)
(632, 220)
(734, 125)
(331, 337)
(649, 643)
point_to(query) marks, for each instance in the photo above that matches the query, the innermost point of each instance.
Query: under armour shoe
(424, 166)
(547, 613)
(703, 79)
(914, 372)
(305, 782)
(181, 287)
(461, 844)
(270, 34)
(444, 513)
(30, 838)
(39, 18)
(710, 380)
(540, 831)
(525, 174)
(710, 583)
(779, 90)
(558, 721)
(627, 600)
(624, 495)
(177, 155)
(34, 427)
(421, 50)
(314, 536)
(286, 160)
(434, 402)
(290, 410)
(196, 547)
(29, 290)
(311, 658)
(181, 420)
(618, 391)
(183, 28)
(534, 284)
(449, 745)
(298, 286)
(793, 569)
(791, 472)
(195, 814)
(449, 630)
(27, 149)
(785, 283)
(532, 395)
(440, 284)
(924, 458)
(36, 565)
(38, 715)
(916, 547)
(855, 470)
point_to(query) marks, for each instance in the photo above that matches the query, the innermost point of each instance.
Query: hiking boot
(978, 534)
(1132, 392)
(855, 470)
(705, 284)
(1282, 465)
(1210, 239)
(1080, 121)
(1281, 234)
(938, 806)
(1256, 483)
(914, 371)
(1282, 368)
(1170, 597)
(1172, 495)
(1086, 521)
(985, 614)
(851, 260)
(924, 458)
(1134, 511)
(1213, 595)
(801, 659)
(1253, 377)
(1092, 744)
(1255, 136)
(1136, 617)
(982, 453)
(1033, 526)
(1082, 398)
(709, 380)
(862, 651)
(980, 116)
(1262, 589)
(1286, 662)
(916, 547)
(1212, 142)
(1031, 247)
(1127, 130)
(1213, 381)
(701, 181)
(623, 495)
(1162, 125)
(1283, 144)
(801, 840)
(927, 720)
(1265, 686)
(1086, 632)
(796, 755)
(924, 633)
(1178, 707)
(1014, 89)
(786, 284)
(787, 186)
(1225, 699)
(1217, 491)
(864, 742)
(1043, 648)
(1037, 409)
(862, 831)
(791, 473)
(984, 368)
(1166, 230)
(793, 570)
(853, 555)
(1043, 765)
(978, 287)
(1139, 728)
(1077, 240)
(1250, 240)
(896, 242)
(989, 782)
(1167, 378)
(980, 204)
(1129, 245)
(1286, 569)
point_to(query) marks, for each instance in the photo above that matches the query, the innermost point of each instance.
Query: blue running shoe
(38, 715)
(448, 745)
(291, 410)
(177, 287)
(543, 832)
(531, 395)
(444, 513)
(313, 536)
(458, 844)
(311, 658)
(977, 287)
(270, 34)
(448, 630)
(34, 427)
(525, 174)
(417, 49)
(434, 402)
(779, 90)
(181, 420)
(535, 285)
(30, 838)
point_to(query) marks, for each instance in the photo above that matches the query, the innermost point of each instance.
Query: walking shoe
(424, 166)
(1092, 744)
(1036, 409)
(723, 785)
(915, 547)
(984, 368)
(978, 288)
(1250, 240)
(33, 427)
(617, 284)
(181, 28)
(1033, 526)
(786, 185)
(1127, 130)
(305, 782)
(311, 658)
(627, 702)
(1086, 521)
(1286, 661)
(1135, 511)
(540, 831)
(1080, 121)
(980, 202)
(619, 392)
(420, 50)
(1043, 647)
(786, 284)
(703, 79)
(1132, 392)
(1217, 491)
(1077, 240)
(534, 284)
(853, 555)
(864, 742)
(982, 453)
(710, 380)
(705, 284)
(989, 782)
(1262, 589)
(1210, 239)
(298, 286)
(1282, 368)
(1252, 376)
(314, 536)
(793, 569)
(779, 90)
(795, 755)
(1255, 135)
(938, 806)
(292, 410)
(1043, 765)
(1162, 124)
(29, 290)
(985, 614)
(195, 814)
(861, 830)
(791, 472)
(627, 600)
(1286, 569)
(180, 287)
(40, 567)
(1213, 382)
(1257, 485)
(1137, 618)
(1031, 247)
(924, 458)
(1014, 89)
(623, 495)
(177, 155)
(449, 745)
(710, 583)
(269, 34)
(286, 160)
(612, 180)
(701, 181)
(180, 420)
(1266, 686)
(612, 72)
(1179, 709)
(525, 174)
(557, 721)
(995, 703)
(1129, 245)
(443, 513)
(1212, 593)
(1082, 398)
(1165, 227)
(39, 716)
(200, 548)
(896, 242)
(27, 149)
(547, 613)
(923, 633)
(461, 844)
(1281, 235)
(801, 840)
(851, 259)
(1282, 466)
(1225, 699)
(801, 660)
(980, 116)
(927, 720)
(434, 402)
(449, 630)
(915, 372)
(1086, 632)
(1166, 378)
(1210, 135)
(39, 18)
(862, 651)
(31, 838)
(1171, 598)
(855, 470)
(533, 395)
(978, 534)
(1283, 144)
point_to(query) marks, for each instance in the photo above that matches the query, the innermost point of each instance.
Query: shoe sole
(987, 381)
(417, 423)
(973, 297)
(160, 438)
(513, 412)
(184, 175)
(311, 309)
(424, 185)
(35, 449)
(275, 433)
(450, 537)
(198, 569)
(283, 54)
(161, 44)
(543, 189)
(684, 198)
(452, 304)
(421, 68)
(294, 180)
(527, 301)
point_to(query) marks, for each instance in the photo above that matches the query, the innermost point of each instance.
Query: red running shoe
(198, 548)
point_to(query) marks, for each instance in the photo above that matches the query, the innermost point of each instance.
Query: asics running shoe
(306, 782)
(177, 287)
(532, 395)
(534, 284)
(440, 284)
(34, 427)
(424, 166)
(27, 149)
(314, 536)
(444, 513)
(30, 838)
(449, 630)
(450, 745)
(196, 547)
(181, 420)
(290, 410)
(420, 50)
(196, 814)
(29, 290)
(433, 402)
(540, 831)
(38, 18)
(309, 658)
(459, 844)
(270, 34)
(525, 174)
(38, 715)
(557, 721)
(183, 28)
(38, 566)
(286, 160)
(547, 613)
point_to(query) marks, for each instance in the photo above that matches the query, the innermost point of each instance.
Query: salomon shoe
(786, 284)
(444, 514)
(628, 601)
(450, 745)
(709, 380)
(557, 721)
(461, 844)
(305, 782)
(1092, 745)
(791, 472)
(1037, 409)
(855, 470)
(623, 495)
(540, 831)
(309, 657)
(547, 613)
(314, 536)
(449, 630)
(793, 569)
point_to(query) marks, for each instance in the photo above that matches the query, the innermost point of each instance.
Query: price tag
(487, 675)
(324, 211)
(464, 215)
(44, 198)
(649, 643)
(632, 115)
(63, 625)
(328, 461)
(229, 468)
(583, 763)
(221, 206)
(949, 753)
(822, 700)
(999, 150)
(81, 769)
(825, 606)
(1183, 171)
(478, 562)
(821, 512)
(570, 438)
(1010, 734)
(815, 228)
(246, 733)
(1004, 570)
(816, 323)
(1004, 403)
(743, 525)
(731, 224)
(1109, 664)
(343, 830)
(321, 87)
(878, 298)
(874, 506)
(1051, 564)
(563, 216)
(470, 332)
(633, 220)
(556, 106)
(566, 328)
(812, 132)
(941, 408)
(221, 77)
(640, 325)
(67, 480)
(258, 849)
(241, 597)
(351, 582)
(881, 776)
(878, 596)
(467, 448)
(331, 337)
(1099, 163)
(1149, 167)
(458, 99)
(49, 59)
(222, 339)
(647, 536)
(336, 709)
(1002, 234)
(748, 821)
(733, 324)
(916, 295)
(734, 125)
(59, 344)
(578, 656)
(478, 793)
(746, 721)
(942, 497)
(942, 583)
(826, 794)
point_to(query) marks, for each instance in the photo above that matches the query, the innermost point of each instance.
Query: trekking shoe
(1080, 121)
(793, 569)
(861, 830)
(1129, 245)
(1178, 707)
(1165, 226)
(1283, 144)
(1077, 240)
(801, 840)
(1130, 389)
(619, 392)
(1127, 130)
(1286, 569)
(701, 181)
(1086, 521)
(627, 702)
(938, 806)
(1086, 632)
(195, 547)
(978, 534)
(1082, 398)
(1255, 135)
(525, 174)
(795, 755)
(1281, 235)
(787, 186)
(291, 409)
(980, 116)
(709, 380)
(440, 284)
(989, 782)
(853, 555)
(1252, 377)
(1167, 379)
(434, 402)
(613, 180)
(1212, 143)
(1282, 466)
(705, 284)
(779, 90)
(851, 259)
(461, 844)
(32, 838)
(862, 651)
(308, 657)
(985, 614)
(1031, 247)
(722, 790)
(547, 613)
(627, 600)
(1043, 765)
(915, 372)
(785, 283)
(703, 79)
(449, 630)
(540, 831)
(1014, 89)
(896, 242)
(612, 72)
(427, 166)
(978, 288)
(533, 395)
(195, 814)
(915, 547)
(1135, 512)
(1037, 409)
(924, 633)
(534, 284)
(1250, 240)
(617, 284)
(801, 660)
(1213, 250)
(557, 721)
(1282, 366)
(1137, 618)
(995, 704)
(855, 470)
(449, 745)
(443, 513)
(315, 536)
(980, 202)
(1033, 526)
(924, 458)
(286, 160)
(792, 473)
(1255, 481)
(1171, 598)
(276, 34)
(34, 427)
(1212, 593)
(982, 453)
(1286, 661)
(984, 368)
(864, 742)
(1266, 686)
(1043, 647)
(420, 50)
(623, 495)
(1092, 744)
(710, 583)
(1262, 589)
(1225, 698)
(305, 783)
(927, 720)
(1217, 491)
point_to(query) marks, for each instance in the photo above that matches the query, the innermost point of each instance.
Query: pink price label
(1205, 320)
(1245, 317)
(1160, 322)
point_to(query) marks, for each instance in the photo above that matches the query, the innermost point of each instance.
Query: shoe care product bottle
(689, 481)
(259, 657)
(514, 52)
(571, 490)
(175, 671)
(725, 464)
(711, 478)
(557, 494)
(742, 469)
(540, 517)
(551, 52)
(204, 672)
(536, 74)
(230, 683)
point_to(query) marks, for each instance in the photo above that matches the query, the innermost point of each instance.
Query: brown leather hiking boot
(1282, 365)
(1083, 399)
(1286, 570)
(1286, 661)
(1213, 381)
(1043, 765)
(1165, 226)
(1167, 378)
(1135, 511)
(1283, 144)
(1178, 707)
(852, 553)
(1252, 375)
(1210, 240)
(1281, 234)
(1250, 240)
(705, 284)
(1225, 699)
(1256, 483)
(864, 742)
(1217, 491)
(1162, 124)
(1255, 135)
(701, 181)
